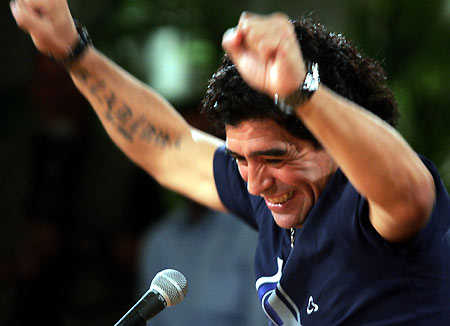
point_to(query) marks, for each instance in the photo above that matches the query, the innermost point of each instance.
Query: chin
(287, 221)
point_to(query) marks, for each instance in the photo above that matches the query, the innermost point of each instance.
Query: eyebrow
(233, 154)
(274, 152)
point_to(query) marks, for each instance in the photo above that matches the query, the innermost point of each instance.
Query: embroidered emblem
(312, 306)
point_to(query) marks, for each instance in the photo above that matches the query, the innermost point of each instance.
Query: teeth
(281, 199)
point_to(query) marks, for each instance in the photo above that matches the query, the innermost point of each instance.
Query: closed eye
(274, 162)
(236, 157)
(240, 159)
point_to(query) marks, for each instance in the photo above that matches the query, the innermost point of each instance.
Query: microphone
(168, 288)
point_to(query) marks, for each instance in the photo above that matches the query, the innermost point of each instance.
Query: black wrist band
(75, 53)
(303, 93)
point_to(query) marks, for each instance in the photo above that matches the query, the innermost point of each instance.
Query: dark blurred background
(73, 207)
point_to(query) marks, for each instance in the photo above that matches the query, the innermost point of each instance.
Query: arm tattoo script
(122, 117)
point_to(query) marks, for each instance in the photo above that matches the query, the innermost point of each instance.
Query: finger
(232, 40)
(245, 15)
(40, 7)
(260, 38)
(265, 47)
(235, 36)
(233, 45)
(25, 18)
(37, 26)
(14, 10)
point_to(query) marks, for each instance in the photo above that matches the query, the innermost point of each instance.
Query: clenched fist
(266, 52)
(49, 24)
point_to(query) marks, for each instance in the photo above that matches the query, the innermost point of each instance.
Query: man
(353, 224)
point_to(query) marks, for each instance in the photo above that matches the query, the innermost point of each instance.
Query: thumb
(52, 31)
(232, 41)
(26, 18)
(249, 65)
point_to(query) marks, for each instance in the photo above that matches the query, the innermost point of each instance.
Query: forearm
(148, 129)
(143, 124)
(138, 120)
(372, 154)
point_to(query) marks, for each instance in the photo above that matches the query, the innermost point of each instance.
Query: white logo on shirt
(312, 307)
(276, 303)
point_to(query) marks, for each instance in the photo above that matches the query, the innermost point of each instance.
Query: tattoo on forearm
(124, 114)
(122, 117)
(151, 133)
(82, 75)
(110, 102)
(97, 87)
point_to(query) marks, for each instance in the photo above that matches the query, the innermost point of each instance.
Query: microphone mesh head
(171, 284)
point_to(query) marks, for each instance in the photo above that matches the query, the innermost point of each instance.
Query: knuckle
(280, 16)
(245, 15)
(21, 22)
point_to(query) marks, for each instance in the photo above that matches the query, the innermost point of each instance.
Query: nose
(258, 180)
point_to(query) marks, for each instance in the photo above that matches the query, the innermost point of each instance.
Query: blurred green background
(73, 207)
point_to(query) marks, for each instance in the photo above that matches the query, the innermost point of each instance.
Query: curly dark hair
(229, 100)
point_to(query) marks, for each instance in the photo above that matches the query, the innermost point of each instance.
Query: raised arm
(374, 157)
(142, 123)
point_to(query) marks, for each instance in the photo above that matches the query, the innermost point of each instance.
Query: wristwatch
(74, 53)
(311, 83)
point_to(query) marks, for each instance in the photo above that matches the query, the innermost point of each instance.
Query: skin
(373, 156)
(288, 172)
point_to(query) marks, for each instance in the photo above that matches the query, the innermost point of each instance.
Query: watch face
(312, 79)
(303, 93)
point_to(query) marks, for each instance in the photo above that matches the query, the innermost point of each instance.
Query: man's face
(288, 172)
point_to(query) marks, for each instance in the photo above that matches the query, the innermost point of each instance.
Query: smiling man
(289, 173)
(354, 226)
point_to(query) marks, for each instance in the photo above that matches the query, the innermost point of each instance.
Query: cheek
(290, 177)
(285, 175)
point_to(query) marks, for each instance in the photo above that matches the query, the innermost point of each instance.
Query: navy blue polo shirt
(341, 271)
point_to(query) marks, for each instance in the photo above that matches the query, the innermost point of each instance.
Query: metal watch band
(303, 93)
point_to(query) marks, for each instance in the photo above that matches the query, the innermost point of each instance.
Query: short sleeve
(438, 226)
(436, 230)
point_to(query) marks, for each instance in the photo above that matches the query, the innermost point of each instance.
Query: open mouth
(280, 200)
